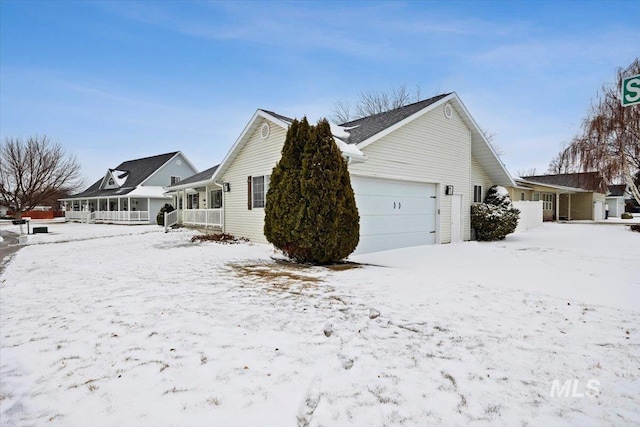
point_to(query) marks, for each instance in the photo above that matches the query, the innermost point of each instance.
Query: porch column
(119, 209)
(557, 206)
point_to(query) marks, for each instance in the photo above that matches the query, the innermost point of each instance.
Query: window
(192, 201)
(215, 199)
(175, 180)
(522, 196)
(259, 186)
(536, 197)
(111, 182)
(477, 194)
(547, 201)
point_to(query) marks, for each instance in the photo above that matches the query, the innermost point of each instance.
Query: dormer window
(111, 183)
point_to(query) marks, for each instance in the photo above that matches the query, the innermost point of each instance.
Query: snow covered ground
(137, 327)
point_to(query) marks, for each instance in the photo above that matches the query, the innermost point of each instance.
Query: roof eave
(242, 139)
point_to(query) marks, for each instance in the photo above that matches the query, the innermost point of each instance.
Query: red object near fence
(39, 214)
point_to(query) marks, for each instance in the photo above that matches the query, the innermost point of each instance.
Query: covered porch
(198, 207)
(124, 210)
(199, 201)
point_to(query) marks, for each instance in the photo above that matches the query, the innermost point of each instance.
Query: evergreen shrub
(495, 218)
(311, 213)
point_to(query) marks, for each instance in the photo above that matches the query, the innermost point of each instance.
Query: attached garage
(394, 214)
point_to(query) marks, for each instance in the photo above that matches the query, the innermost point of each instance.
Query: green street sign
(631, 91)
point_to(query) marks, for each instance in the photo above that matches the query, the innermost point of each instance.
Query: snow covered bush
(311, 213)
(160, 217)
(626, 215)
(495, 218)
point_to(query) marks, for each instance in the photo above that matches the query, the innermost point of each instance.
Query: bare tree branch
(527, 172)
(34, 171)
(609, 141)
(372, 102)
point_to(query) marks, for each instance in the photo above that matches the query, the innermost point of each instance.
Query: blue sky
(117, 80)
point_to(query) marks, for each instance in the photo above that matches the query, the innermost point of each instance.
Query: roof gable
(371, 129)
(364, 128)
(127, 176)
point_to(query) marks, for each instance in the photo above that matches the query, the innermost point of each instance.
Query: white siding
(479, 177)
(162, 177)
(257, 157)
(430, 149)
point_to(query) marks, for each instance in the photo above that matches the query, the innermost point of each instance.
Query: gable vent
(448, 111)
(264, 131)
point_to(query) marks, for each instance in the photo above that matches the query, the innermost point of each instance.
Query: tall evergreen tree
(311, 214)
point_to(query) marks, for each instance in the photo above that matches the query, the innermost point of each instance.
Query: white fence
(108, 216)
(530, 214)
(203, 217)
(170, 218)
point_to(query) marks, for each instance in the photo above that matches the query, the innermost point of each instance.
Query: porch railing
(170, 218)
(114, 216)
(203, 217)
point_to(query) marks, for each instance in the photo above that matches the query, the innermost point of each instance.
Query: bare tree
(372, 102)
(33, 171)
(491, 137)
(527, 172)
(561, 164)
(610, 138)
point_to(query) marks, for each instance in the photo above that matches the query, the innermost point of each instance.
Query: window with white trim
(215, 199)
(259, 187)
(175, 180)
(536, 197)
(477, 194)
(193, 201)
(547, 201)
(522, 197)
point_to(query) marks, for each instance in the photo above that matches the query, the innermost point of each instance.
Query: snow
(139, 327)
(341, 132)
(120, 177)
(501, 191)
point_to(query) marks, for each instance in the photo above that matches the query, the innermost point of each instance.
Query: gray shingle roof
(279, 116)
(590, 181)
(617, 190)
(138, 171)
(201, 176)
(366, 127)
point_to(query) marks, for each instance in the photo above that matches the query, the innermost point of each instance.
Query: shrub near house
(495, 218)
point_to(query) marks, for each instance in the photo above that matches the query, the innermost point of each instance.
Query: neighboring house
(415, 172)
(198, 200)
(132, 192)
(616, 197)
(573, 196)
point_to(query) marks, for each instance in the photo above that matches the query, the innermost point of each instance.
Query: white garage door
(394, 214)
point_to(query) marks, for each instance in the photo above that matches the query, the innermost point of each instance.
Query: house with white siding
(131, 193)
(415, 172)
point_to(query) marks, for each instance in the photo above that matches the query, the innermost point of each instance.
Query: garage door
(394, 214)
